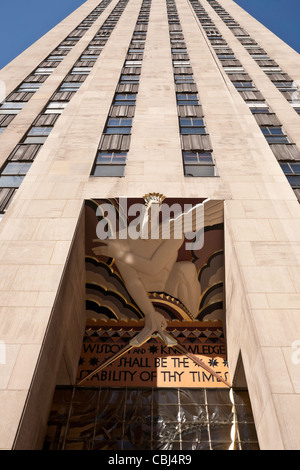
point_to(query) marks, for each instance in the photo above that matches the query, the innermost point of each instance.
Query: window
(127, 99)
(69, 86)
(72, 39)
(55, 58)
(260, 56)
(89, 57)
(181, 63)
(10, 107)
(94, 48)
(233, 69)
(37, 135)
(187, 99)
(271, 69)
(285, 86)
(110, 164)
(35, 140)
(135, 51)
(244, 86)
(260, 110)
(16, 168)
(129, 79)
(292, 172)
(274, 135)
(192, 126)
(29, 87)
(81, 70)
(44, 70)
(184, 79)
(258, 107)
(13, 174)
(226, 56)
(55, 107)
(179, 51)
(133, 63)
(198, 164)
(119, 126)
(40, 131)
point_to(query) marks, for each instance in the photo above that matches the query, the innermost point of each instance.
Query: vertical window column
(115, 141)
(196, 146)
(285, 151)
(279, 78)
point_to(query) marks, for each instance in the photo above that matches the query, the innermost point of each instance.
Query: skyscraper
(125, 106)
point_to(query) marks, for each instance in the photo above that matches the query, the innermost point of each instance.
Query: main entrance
(150, 419)
(159, 394)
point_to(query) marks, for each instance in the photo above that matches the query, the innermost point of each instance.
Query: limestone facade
(41, 233)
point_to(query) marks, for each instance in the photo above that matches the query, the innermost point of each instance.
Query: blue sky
(280, 16)
(25, 21)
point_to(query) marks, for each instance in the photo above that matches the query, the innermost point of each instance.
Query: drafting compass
(140, 339)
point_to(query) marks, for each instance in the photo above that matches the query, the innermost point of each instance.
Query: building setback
(185, 100)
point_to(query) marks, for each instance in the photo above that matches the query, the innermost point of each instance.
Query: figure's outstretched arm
(151, 266)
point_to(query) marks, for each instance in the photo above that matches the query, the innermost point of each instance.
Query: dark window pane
(296, 168)
(190, 157)
(220, 433)
(286, 168)
(84, 404)
(294, 181)
(104, 158)
(247, 432)
(241, 397)
(192, 130)
(118, 130)
(110, 411)
(185, 121)
(277, 140)
(244, 413)
(109, 170)
(109, 429)
(218, 397)
(124, 103)
(220, 413)
(165, 396)
(199, 170)
(260, 110)
(112, 395)
(103, 444)
(189, 396)
(138, 435)
(275, 131)
(193, 413)
(187, 102)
